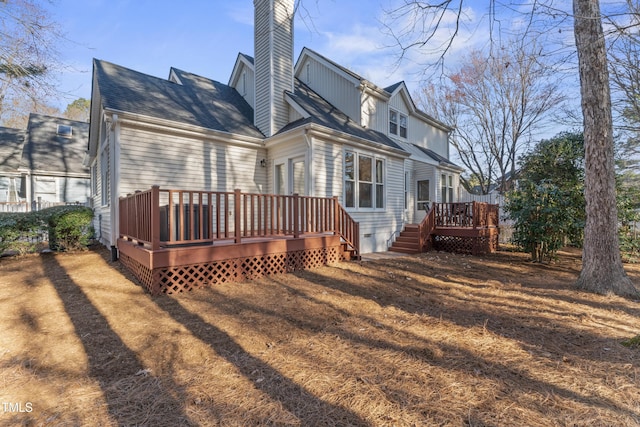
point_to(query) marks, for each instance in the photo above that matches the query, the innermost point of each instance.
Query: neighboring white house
(44, 164)
(313, 128)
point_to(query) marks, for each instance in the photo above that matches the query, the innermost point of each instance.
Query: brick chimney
(273, 56)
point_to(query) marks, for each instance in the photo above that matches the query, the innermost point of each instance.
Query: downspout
(29, 193)
(114, 154)
(311, 180)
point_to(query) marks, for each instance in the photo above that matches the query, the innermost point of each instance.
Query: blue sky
(206, 36)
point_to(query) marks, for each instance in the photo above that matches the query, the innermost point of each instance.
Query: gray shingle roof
(45, 150)
(393, 87)
(437, 157)
(197, 101)
(247, 57)
(11, 143)
(323, 113)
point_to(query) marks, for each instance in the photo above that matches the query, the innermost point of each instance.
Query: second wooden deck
(470, 228)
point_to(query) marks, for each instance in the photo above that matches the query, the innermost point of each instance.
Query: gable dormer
(400, 108)
(243, 78)
(173, 76)
(273, 61)
(334, 83)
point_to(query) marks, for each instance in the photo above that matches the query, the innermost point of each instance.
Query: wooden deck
(177, 240)
(470, 227)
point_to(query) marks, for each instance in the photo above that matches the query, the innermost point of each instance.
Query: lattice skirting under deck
(466, 245)
(182, 278)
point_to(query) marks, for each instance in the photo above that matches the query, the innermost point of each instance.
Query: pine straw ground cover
(434, 339)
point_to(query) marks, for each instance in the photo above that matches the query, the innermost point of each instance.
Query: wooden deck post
(296, 216)
(237, 199)
(155, 218)
(475, 212)
(336, 215)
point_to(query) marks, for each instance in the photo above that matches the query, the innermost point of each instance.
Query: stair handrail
(347, 228)
(426, 229)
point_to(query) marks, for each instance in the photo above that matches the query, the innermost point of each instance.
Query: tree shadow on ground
(308, 408)
(466, 310)
(508, 379)
(133, 396)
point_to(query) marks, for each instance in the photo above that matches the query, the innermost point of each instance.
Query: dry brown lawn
(435, 339)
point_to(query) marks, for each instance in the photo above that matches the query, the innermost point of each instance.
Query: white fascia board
(406, 96)
(314, 130)
(355, 141)
(404, 92)
(184, 129)
(241, 61)
(369, 88)
(307, 52)
(43, 173)
(433, 122)
(451, 168)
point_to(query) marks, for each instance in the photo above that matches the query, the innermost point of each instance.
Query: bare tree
(496, 101)
(442, 102)
(28, 56)
(602, 269)
(624, 66)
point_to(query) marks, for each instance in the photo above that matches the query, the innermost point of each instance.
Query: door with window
(289, 176)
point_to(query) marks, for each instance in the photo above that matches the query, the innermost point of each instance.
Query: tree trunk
(602, 270)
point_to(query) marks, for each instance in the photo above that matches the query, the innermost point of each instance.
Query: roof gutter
(184, 129)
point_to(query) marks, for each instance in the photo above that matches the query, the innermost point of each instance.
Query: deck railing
(161, 218)
(466, 214)
(348, 229)
(425, 229)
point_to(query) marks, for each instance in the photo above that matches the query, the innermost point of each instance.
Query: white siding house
(44, 165)
(315, 129)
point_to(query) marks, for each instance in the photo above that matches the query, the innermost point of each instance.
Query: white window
(379, 184)
(364, 181)
(393, 122)
(398, 123)
(446, 188)
(403, 126)
(94, 179)
(65, 131)
(349, 180)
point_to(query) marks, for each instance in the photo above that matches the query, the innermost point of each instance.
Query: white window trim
(399, 116)
(356, 181)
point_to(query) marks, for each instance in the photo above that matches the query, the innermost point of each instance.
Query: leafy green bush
(69, 227)
(20, 232)
(629, 246)
(548, 205)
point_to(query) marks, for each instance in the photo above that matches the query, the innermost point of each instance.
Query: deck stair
(470, 227)
(408, 240)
